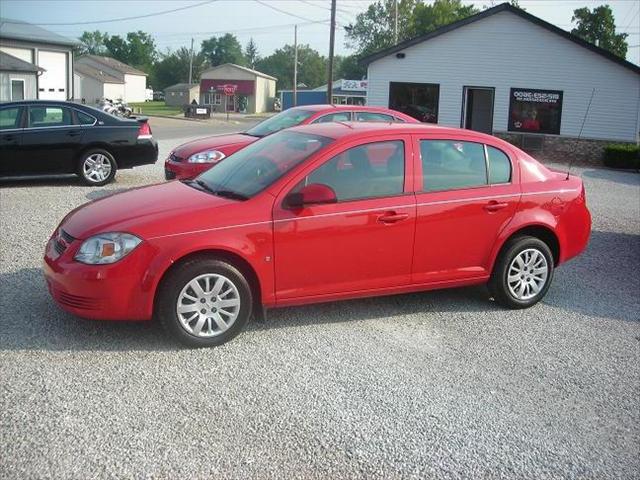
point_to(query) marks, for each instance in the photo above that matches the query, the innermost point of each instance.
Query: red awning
(243, 87)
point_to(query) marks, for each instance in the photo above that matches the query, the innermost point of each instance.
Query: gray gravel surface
(429, 385)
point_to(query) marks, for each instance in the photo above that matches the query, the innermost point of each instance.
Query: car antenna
(593, 92)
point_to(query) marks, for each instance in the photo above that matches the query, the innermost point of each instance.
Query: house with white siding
(506, 72)
(49, 54)
(134, 81)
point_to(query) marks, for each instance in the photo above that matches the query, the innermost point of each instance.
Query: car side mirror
(312, 194)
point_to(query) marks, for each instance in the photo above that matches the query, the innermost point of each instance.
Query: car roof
(327, 107)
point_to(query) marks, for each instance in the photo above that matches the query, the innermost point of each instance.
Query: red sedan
(320, 213)
(191, 159)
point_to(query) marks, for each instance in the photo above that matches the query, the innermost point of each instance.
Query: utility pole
(396, 29)
(191, 63)
(332, 38)
(295, 65)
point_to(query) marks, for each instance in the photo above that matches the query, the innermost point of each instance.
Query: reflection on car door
(460, 211)
(10, 139)
(362, 242)
(51, 140)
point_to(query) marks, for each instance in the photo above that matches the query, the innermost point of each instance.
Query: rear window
(84, 118)
(49, 116)
(450, 164)
(499, 166)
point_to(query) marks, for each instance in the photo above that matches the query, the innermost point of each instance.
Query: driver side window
(372, 170)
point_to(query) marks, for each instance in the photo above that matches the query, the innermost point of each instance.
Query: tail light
(144, 131)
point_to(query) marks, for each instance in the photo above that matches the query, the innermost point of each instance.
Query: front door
(466, 195)
(51, 140)
(361, 243)
(478, 109)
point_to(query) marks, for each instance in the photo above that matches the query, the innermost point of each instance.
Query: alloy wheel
(97, 167)
(208, 305)
(527, 274)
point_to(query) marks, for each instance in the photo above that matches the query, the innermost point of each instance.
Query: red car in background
(192, 158)
(320, 213)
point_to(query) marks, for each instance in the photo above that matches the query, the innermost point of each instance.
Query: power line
(164, 12)
(261, 2)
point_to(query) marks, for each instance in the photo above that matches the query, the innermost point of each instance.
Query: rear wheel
(97, 167)
(204, 302)
(523, 273)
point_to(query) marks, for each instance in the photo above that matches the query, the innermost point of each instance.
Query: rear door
(50, 140)
(466, 193)
(10, 140)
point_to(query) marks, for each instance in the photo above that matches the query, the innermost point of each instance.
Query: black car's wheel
(97, 167)
(204, 302)
(523, 272)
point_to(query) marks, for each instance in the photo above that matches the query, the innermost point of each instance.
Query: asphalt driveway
(428, 385)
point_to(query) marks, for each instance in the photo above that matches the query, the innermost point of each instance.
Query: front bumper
(184, 170)
(99, 292)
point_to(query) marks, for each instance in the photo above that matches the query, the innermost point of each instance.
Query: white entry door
(52, 84)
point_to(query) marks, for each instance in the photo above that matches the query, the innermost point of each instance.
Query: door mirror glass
(313, 194)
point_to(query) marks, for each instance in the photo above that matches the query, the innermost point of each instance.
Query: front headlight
(210, 156)
(106, 248)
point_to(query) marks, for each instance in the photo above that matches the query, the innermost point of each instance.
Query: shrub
(622, 155)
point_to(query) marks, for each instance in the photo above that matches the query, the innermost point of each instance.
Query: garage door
(53, 82)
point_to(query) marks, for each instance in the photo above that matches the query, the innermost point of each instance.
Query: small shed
(18, 79)
(181, 94)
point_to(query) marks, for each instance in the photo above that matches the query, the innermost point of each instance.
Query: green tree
(225, 49)
(428, 17)
(347, 67)
(374, 29)
(173, 68)
(312, 67)
(137, 50)
(251, 53)
(598, 26)
(92, 43)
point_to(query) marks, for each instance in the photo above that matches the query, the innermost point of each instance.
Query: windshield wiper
(230, 194)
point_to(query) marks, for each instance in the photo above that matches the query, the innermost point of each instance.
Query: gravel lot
(430, 385)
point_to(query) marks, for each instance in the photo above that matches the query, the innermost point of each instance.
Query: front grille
(62, 241)
(175, 158)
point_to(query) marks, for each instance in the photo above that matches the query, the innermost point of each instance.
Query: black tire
(498, 284)
(170, 291)
(105, 157)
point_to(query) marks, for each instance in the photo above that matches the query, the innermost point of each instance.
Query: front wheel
(204, 302)
(97, 167)
(523, 273)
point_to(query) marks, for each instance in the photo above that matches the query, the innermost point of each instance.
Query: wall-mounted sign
(355, 85)
(229, 89)
(535, 111)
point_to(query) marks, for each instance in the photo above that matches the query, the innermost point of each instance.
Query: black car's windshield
(254, 168)
(286, 119)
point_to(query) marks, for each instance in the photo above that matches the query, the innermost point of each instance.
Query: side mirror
(312, 194)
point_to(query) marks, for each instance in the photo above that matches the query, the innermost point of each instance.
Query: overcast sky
(269, 22)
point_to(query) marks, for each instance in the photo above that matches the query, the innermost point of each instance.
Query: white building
(50, 53)
(133, 80)
(506, 72)
(91, 85)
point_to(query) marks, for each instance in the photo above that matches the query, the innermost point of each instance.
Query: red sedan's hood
(147, 212)
(227, 144)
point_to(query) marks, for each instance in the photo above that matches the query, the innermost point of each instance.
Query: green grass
(155, 108)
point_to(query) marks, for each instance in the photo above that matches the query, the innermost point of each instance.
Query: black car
(46, 137)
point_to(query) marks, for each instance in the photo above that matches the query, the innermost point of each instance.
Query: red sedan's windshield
(257, 166)
(286, 119)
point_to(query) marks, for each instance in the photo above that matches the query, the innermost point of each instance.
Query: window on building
(450, 164)
(9, 118)
(49, 117)
(373, 117)
(535, 111)
(334, 117)
(499, 166)
(419, 100)
(17, 89)
(366, 171)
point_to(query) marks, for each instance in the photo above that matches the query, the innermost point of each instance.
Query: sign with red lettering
(229, 89)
